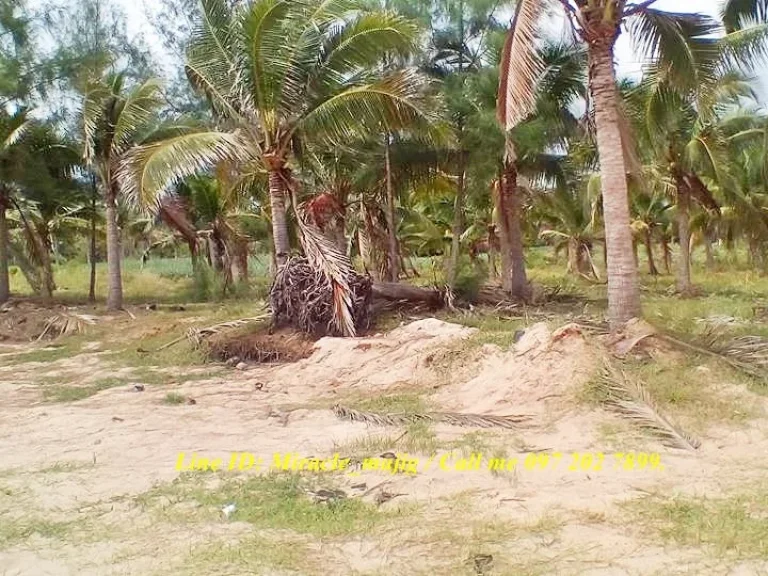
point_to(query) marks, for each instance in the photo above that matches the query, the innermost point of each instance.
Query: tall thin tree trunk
(492, 252)
(92, 285)
(623, 287)
(667, 252)
(511, 208)
(5, 283)
(708, 241)
(458, 221)
(392, 245)
(114, 254)
(504, 242)
(684, 285)
(43, 241)
(279, 218)
(649, 250)
(364, 242)
(573, 257)
(239, 265)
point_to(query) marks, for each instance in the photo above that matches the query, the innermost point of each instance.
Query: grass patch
(253, 556)
(75, 393)
(14, 531)
(686, 390)
(272, 501)
(50, 353)
(174, 399)
(736, 526)
(408, 403)
(65, 467)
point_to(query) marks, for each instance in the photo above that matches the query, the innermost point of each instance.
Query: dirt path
(91, 486)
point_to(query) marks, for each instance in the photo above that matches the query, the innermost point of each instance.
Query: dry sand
(89, 460)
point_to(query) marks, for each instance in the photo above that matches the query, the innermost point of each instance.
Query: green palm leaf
(148, 171)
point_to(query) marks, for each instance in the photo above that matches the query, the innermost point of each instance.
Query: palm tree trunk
(43, 240)
(92, 285)
(573, 256)
(114, 255)
(392, 245)
(667, 252)
(279, 218)
(5, 284)
(708, 233)
(623, 287)
(492, 252)
(510, 219)
(649, 250)
(458, 222)
(364, 242)
(684, 285)
(504, 242)
(239, 251)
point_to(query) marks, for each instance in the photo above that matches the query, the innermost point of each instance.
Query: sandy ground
(89, 461)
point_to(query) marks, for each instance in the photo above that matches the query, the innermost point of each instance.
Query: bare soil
(262, 346)
(75, 476)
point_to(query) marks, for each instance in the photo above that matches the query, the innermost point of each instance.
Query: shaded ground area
(92, 433)
(261, 346)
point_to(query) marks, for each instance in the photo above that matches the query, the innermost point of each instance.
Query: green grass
(735, 526)
(174, 399)
(162, 280)
(272, 501)
(75, 393)
(61, 350)
(14, 531)
(261, 554)
(410, 403)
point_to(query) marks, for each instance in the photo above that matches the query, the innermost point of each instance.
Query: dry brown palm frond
(197, 335)
(521, 65)
(748, 354)
(323, 255)
(451, 418)
(631, 399)
(65, 324)
(321, 293)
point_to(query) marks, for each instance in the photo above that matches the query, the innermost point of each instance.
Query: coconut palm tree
(660, 36)
(279, 75)
(12, 129)
(115, 119)
(536, 119)
(47, 200)
(678, 124)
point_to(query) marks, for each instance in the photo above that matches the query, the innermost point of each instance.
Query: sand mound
(538, 374)
(540, 371)
(377, 362)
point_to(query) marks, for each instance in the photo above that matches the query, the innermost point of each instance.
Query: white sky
(629, 63)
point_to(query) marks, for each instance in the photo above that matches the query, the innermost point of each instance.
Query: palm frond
(323, 255)
(521, 65)
(361, 110)
(66, 324)
(18, 125)
(747, 354)
(450, 418)
(148, 171)
(138, 109)
(738, 14)
(633, 401)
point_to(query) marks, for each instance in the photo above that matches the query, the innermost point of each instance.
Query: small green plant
(174, 399)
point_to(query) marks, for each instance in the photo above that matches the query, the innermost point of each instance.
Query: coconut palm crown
(280, 75)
